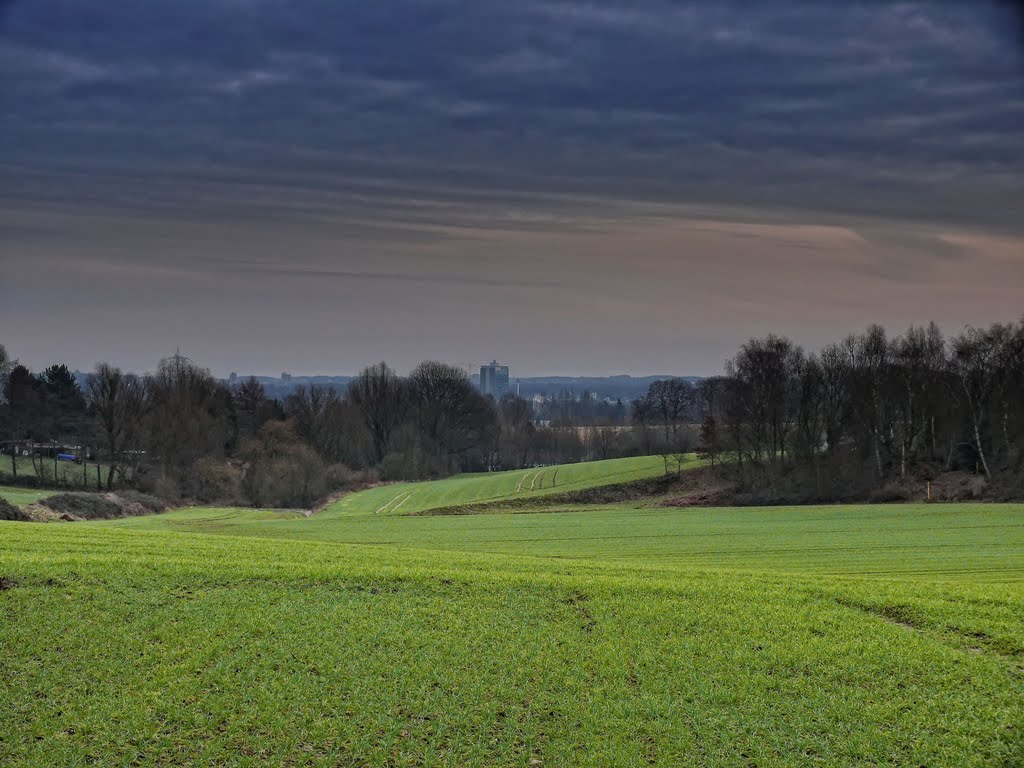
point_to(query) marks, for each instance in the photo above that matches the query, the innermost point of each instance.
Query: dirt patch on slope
(71, 507)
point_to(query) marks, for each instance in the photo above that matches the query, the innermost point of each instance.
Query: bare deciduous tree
(117, 400)
(977, 358)
(188, 415)
(382, 399)
(671, 402)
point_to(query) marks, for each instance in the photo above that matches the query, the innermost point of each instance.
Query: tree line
(869, 412)
(847, 421)
(180, 432)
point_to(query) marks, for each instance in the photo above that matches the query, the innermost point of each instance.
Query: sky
(572, 187)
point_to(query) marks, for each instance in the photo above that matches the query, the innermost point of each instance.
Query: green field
(23, 496)
(63, 474)
(413, 498)
(962, 541)
(617, 635)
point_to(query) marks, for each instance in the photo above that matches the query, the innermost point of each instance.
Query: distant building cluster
(494, 379)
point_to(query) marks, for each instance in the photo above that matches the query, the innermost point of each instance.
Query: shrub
(976, 488)
(281, 470)
(213, 480)
(166, 487)
(890, 493)
(152, 504)
(397, 467)
(338, 477)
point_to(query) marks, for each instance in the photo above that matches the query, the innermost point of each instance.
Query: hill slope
(481, 488)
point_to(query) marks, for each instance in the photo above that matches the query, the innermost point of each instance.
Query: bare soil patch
(71, 507)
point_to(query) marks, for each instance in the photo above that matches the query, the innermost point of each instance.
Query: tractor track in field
(972, 641)
(399, 496)
(399, 504)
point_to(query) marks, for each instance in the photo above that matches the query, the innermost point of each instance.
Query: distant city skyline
(473, 371)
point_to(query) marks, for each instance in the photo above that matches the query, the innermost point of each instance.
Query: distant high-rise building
(494, 379)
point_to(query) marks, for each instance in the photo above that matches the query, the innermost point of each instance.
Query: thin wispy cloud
(433, 278)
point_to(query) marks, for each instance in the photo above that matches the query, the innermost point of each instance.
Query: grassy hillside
(65, 474)
(410, 498)
(23, 496)
(586, 636)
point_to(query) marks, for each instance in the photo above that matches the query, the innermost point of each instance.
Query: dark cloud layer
(917, 107)
(415, 132)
